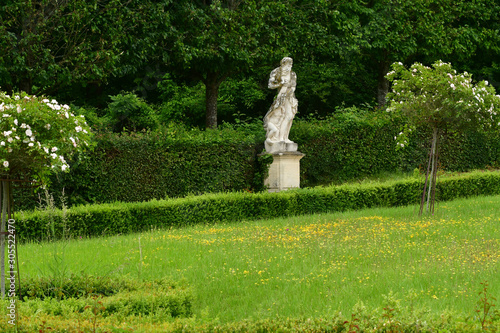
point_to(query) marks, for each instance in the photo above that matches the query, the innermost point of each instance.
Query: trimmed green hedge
(171, 163)
(346, 146)
(175, 162)
(119, 218)
(354, 144)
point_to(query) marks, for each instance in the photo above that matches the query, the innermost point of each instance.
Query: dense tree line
(202, 61)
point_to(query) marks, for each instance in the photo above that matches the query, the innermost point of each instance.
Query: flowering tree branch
(440, 99)
(38, 134)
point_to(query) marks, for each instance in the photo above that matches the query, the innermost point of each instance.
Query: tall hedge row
(346, 147)
(353, 145)
(119, 218)
(175, 162)
(170, 163)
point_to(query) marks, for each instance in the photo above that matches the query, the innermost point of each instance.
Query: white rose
(28, 132)
(6, 164)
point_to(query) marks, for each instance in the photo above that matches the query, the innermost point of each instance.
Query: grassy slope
(311, 266)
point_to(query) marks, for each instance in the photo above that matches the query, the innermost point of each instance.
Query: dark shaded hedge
(345, 147)
(354, 145)
(120, 218)
(175, 162)
(171, 163)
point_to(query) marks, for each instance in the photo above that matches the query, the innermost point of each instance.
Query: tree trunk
(26, 85)
(382, 82)
(5, 215)
(212, 84)
(431, 176)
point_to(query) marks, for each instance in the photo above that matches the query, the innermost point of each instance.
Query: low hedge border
(121, 218)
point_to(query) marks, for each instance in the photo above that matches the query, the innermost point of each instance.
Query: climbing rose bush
(38, 134)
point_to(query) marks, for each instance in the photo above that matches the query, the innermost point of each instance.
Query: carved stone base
(284, 172)
(281, 146)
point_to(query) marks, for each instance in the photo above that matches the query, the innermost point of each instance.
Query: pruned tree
(440, 99)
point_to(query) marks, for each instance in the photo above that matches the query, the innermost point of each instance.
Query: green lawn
(306, 266)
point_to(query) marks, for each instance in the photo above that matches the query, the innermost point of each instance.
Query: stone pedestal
(284, 172)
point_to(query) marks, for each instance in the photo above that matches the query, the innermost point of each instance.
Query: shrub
(346, 146)
(127, 111)
(120, 218)
(122, 297)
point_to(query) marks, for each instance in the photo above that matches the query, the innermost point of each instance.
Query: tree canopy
(342, 50)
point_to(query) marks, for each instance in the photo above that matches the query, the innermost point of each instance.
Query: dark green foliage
(127, 111)
(182, 103)
(352, 144)
(124, 297)
(120, 218)
(171, 162)
(174, 161)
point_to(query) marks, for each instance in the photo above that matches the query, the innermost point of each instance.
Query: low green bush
(73, 286)
(122, 297)
(120, 218)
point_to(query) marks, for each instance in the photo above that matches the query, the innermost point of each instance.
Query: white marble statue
(278, 119)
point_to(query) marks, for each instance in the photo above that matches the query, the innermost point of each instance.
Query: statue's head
(287, 61)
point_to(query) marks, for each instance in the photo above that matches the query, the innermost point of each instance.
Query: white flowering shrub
(439, 97)
(38, 134)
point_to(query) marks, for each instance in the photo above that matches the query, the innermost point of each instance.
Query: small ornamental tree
(440, 99)
(37, 135)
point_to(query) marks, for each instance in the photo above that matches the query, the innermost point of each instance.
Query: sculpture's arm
(273, 83)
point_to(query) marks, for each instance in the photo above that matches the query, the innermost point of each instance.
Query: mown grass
(306, 266)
